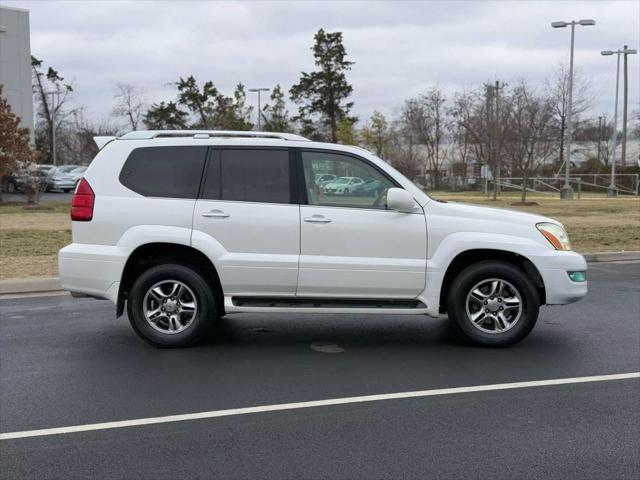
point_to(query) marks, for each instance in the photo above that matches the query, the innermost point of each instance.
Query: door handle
(317, 219)
(215, 214)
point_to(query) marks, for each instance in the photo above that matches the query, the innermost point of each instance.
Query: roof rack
(150, 134)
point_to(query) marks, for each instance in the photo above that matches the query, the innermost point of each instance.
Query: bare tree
(403, 151)
(426, 116)
(52, 96)
(582, 99)
(528, 140)
(130, 104)
(76, 139)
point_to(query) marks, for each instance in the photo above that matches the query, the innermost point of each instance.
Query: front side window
(249, 175)
(336, 180)
(172, 172)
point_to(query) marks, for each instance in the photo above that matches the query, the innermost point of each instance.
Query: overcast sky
(399, 49)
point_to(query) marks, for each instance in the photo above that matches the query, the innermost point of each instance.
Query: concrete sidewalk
(13, 286)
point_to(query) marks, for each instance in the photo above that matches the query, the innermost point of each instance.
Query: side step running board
(326, 303)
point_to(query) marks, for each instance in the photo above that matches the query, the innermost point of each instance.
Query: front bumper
(554, 269)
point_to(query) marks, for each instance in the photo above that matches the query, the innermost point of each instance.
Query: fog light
(578, 276)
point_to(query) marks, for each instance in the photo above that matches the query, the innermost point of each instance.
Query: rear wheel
(171, 306)
(493, 304)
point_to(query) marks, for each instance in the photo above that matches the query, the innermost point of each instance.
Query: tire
(183, 329)
(11, 188)
(66, 190)
(499, 323)
(345, 192)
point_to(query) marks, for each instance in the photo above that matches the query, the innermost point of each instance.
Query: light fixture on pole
(612, 191)
(259, 112)
(566, 192)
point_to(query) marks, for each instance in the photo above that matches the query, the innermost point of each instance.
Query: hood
(476, 212)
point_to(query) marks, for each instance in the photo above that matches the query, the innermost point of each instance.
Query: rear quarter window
(172, 172)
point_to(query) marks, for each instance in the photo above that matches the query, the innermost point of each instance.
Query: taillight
(82, 202)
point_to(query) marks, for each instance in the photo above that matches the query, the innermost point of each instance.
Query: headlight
(556, 235)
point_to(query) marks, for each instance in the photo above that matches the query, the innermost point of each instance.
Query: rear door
(247, 219)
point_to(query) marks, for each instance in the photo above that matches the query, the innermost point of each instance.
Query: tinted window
(249, 176)
(164, 171)
(336, 180)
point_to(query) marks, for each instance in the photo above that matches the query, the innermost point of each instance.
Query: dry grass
(31, 238)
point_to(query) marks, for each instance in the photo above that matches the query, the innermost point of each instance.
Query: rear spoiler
(102, 141)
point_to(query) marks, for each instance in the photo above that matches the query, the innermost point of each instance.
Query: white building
(15, 63)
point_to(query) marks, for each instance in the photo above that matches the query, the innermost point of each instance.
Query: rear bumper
(93, 270)
(554, 269)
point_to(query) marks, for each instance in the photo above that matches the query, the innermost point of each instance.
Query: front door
(351, 245)
(246, 221)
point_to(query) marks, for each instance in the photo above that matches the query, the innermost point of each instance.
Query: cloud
(400, 48)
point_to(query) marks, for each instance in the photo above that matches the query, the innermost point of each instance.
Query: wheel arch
(152, 254)
(469, 257)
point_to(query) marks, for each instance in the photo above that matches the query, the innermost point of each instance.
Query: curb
(30, 285)
(52, 284)
(612, 256)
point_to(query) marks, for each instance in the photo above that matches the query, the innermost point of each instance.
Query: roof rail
(150, 134)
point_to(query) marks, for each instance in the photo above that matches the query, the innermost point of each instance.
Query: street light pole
(566, 193)
(612, 191)
(258, 90)
(625, 100)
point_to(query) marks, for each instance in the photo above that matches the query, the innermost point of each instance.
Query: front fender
(456, 243)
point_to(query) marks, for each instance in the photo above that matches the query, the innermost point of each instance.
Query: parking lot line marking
(313, 404)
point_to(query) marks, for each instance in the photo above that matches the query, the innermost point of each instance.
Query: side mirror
(400, 200)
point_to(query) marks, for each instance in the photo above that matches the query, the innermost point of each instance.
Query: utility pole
(258, 90)
(497, 139)
(490, 159)
(53, 124)
(567, 192)
(599, 135)
(612, 191)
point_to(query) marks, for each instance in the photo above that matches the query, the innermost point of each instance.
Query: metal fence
(625, 184)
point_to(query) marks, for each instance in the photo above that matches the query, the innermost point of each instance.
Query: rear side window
(249, 176)
(172, 172)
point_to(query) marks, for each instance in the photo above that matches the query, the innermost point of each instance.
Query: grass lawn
(30, 238)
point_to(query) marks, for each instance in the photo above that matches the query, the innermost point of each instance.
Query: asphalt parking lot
(68, 362)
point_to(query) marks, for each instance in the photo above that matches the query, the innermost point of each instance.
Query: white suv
(184, 227)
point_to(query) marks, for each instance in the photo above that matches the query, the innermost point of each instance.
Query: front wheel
(171, 305)
(493, 304)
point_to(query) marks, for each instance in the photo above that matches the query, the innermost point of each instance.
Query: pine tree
(275, 116)
(325, 91)
(376, 135)
(165, 116)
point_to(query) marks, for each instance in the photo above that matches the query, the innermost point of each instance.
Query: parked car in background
(342, 186)
(369, 188)
(59, 179)
(324, 178)
(77, 173)
(9, 183)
